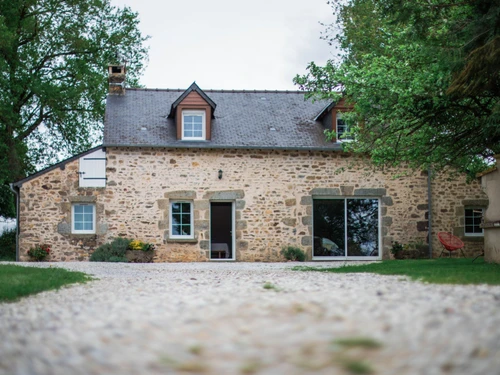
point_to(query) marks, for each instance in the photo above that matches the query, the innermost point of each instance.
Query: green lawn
(437, 271)
(17, 281)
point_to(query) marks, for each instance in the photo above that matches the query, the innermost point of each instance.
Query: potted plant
(140, 252)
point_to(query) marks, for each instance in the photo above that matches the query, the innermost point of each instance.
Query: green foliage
(8, 245)
(423, 77)
(17, 281)
(142, 246)
(111, 252)
(39, 252)
(357, 342)
(396, 248)
(270, 286)
(53, 72)
(437, 271)
(293, 253)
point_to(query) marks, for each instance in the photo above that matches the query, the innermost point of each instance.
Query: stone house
(490, 181)
(234, 176)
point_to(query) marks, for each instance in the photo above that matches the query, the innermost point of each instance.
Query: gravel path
(217, 318)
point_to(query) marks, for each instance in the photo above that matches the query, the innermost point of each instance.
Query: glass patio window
(346, 227)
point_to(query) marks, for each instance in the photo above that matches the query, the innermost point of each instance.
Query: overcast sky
(231, 44)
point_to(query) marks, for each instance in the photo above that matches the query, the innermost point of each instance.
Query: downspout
(429, 200)
(15, 189)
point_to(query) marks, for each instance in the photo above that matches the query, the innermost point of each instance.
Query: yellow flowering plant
(141, 246)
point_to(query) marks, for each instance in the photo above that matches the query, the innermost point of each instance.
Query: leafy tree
(53, 59)
(423, 77)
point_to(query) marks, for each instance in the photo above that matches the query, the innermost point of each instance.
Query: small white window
(93, 169)
(83, 218)
(193, 125)
(473, 219)
(343, 129)
(181, 220)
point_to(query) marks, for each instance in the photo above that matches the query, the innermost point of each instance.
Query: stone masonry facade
(272, 193)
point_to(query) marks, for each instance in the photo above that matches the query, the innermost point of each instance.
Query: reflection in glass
(362, 227)
(181, 219)
(331, 232)
(329, 227)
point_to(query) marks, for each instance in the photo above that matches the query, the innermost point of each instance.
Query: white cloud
(222, 44)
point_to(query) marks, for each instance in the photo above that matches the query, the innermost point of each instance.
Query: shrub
(141, 246)
(293, 253)
(8, 245)
(39, 252)
(111, 252)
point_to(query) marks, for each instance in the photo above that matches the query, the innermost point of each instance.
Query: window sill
(182, 240)
(82, 235)
(479, 238)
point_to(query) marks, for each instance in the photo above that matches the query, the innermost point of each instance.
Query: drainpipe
(15, 189)
(429, 200)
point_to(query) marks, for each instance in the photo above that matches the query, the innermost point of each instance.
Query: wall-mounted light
(220, 174)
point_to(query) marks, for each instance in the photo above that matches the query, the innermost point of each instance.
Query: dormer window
(343, 129)
(193, 125)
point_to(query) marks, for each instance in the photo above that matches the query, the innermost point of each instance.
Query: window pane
(78, 226)
(362, 227)
(329, 227)
(88, 226)
(181, 219)
(78, 209)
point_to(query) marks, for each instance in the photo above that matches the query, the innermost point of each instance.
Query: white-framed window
(193, 125)
(93, 169)
(343, 129)
(473, 219)
(181, 220)
(83, 218)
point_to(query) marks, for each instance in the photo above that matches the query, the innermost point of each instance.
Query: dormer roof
(194, 87)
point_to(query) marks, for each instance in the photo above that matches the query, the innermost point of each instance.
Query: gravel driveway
(217, 318)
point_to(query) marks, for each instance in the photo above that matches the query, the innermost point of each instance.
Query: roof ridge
(224, 91)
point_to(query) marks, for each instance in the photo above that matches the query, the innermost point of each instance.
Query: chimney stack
(116, 79)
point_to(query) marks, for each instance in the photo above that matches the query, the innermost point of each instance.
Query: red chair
(450, 243)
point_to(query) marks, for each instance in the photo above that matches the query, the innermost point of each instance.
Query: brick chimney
(116, 79)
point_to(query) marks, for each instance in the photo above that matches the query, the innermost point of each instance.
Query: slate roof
(244, 119)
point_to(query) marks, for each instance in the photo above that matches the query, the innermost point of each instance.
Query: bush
(293, 253)
(39, 252)
(111, 252)
(8, 245)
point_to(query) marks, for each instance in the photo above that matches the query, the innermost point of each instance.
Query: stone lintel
(325, 191)
(475, 202)
(377, 192)
(224, 195)
(181, 194)
(83, 199)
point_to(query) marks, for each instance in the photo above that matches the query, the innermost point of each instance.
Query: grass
(436, 271)
(358, 342)
(270, 286)
(17, 281)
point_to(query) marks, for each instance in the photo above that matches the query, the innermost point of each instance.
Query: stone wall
(272, 193)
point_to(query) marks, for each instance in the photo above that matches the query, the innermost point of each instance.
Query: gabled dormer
(332, 119)
(193, 112)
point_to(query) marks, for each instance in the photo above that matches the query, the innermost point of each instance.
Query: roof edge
(229, 147)
(57, 165)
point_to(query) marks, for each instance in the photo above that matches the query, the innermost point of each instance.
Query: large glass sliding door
(347, 228)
